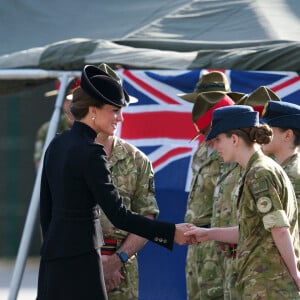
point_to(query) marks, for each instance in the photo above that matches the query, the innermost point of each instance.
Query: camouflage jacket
(292, 168)
(132, 174)
(206, 166)
(225, 196)
(266, 200)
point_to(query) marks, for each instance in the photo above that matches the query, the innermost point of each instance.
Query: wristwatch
(123, 256)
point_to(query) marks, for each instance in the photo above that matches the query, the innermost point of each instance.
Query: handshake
(189, 234)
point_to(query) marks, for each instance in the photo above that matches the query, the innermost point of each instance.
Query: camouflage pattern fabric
(230, 277)
(41, 137)
(203, 271)
(292, 168)
(224, 209)
(225, 215)
(211, 274)
(132, 174)
(206, 169)
(266, 200)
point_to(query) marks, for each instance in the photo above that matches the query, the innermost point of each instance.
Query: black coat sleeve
(99, 181)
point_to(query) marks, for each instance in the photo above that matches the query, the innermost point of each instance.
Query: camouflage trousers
(128, 289)
(204, 271)
(230, 276)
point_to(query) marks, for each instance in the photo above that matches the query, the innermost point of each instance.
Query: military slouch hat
(259, 98)
(214, 84)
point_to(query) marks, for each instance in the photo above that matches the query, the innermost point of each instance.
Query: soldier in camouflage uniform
(41, 137)
(132, 174)
(66, 121)
(204, 270)
(225, 215)
(226, 194)
(267, 233)
(284, 119)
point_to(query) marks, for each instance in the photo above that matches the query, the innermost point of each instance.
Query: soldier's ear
(288, 134)
(234, 139)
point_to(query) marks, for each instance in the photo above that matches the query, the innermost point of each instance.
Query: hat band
(206, 118)
(210, 87)
(259, 109)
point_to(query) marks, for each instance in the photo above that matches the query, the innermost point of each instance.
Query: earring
(93, 118)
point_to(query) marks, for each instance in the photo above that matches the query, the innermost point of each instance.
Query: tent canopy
(152, 34)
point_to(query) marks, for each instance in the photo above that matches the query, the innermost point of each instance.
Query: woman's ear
(234, 139)
(92, 110)
(288, 134)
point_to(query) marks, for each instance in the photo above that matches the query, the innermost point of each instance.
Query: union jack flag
(160, 123)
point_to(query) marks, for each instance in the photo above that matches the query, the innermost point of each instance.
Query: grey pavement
(29, 280)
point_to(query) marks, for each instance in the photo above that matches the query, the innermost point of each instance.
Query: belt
(110, 246)
(229, 250)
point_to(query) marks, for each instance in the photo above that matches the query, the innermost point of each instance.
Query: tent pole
(34, 202)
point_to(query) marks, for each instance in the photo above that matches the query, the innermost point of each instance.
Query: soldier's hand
(180, 237)
(111, 264)
(113, 281)
(197, 234)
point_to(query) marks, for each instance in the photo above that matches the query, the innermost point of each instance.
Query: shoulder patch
(264, 204)
(258, 186)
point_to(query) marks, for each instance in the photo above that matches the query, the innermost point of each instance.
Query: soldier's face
(225, 147)
(278, 143)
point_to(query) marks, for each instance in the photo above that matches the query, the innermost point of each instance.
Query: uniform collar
(119, 151)
(257, 154)
(84, 129)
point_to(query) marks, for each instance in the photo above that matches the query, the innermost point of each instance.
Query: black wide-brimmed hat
(102, 87)
(107, 69)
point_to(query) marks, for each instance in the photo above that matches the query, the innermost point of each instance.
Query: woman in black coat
(75, 184)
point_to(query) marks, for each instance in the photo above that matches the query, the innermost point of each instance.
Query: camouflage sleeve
(267, 191)
(276, 219)
(292, 168)
(144, 201)
(132, 174)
